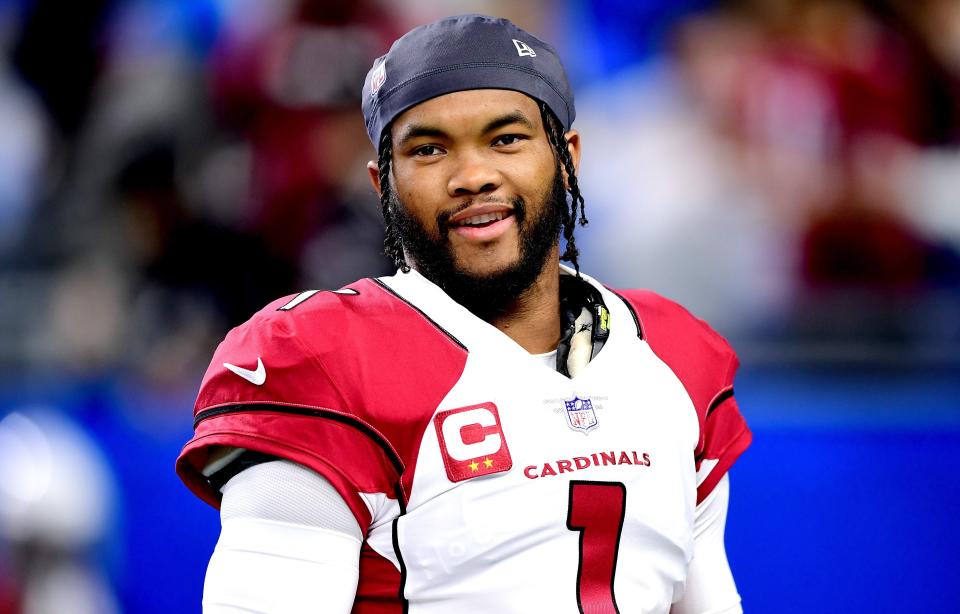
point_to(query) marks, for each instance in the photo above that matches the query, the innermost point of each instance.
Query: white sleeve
(288, 544)
(710, 588)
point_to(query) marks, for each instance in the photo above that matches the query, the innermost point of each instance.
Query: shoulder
(666, 323)
(705, 364)
(699, 356)
(313, 347)
(314, 316)
(337, 350)
(336, 381)
(261, 359)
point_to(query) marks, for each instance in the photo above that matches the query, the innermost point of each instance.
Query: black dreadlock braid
(392, 245)
(577, 205)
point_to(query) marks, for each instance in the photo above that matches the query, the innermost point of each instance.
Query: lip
(474, 210)
(485, 233)
(489, 232)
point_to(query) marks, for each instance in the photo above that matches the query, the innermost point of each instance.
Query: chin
(486, 266)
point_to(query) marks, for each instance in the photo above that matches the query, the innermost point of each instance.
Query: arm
(288, 544)
(710, 588)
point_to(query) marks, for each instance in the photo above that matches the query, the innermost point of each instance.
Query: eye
(427, 151)
(508, 139)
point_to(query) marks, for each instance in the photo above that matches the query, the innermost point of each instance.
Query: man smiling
(486, 430)
(478, 200)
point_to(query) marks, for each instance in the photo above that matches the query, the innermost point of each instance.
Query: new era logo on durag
(524, 49)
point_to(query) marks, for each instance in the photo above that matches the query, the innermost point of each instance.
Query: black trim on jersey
(633, 312)
(717, 402)
(403, 566)
(317, 413)
(420, 311)
(398, 494)
(249, 458)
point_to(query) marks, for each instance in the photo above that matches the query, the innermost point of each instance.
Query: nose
(474, 174)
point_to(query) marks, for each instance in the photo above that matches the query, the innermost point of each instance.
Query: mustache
(518, 204)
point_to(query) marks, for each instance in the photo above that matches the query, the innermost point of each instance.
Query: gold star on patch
(488, 463)
(474, 466)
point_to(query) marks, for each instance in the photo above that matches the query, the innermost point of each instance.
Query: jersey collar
(478, 335)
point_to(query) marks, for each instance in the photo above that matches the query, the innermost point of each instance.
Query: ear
(374, 172)
(573, 146)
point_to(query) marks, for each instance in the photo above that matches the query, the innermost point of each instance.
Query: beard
(493, 293)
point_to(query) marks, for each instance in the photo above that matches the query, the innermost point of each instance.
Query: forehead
(467, 110)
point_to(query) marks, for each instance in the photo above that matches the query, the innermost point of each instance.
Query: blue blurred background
(787, 169)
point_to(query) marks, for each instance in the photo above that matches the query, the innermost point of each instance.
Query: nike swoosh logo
(256, 377)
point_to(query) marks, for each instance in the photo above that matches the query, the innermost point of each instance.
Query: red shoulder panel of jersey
(705, 364)
(344, 382)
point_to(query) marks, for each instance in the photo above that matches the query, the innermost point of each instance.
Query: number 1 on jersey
(596, 511)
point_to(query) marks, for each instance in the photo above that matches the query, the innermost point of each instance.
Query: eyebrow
(420, 130)
(515, 117)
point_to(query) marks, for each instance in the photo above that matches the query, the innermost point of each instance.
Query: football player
(487, 430)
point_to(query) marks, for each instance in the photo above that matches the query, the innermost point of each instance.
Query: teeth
(484, 218)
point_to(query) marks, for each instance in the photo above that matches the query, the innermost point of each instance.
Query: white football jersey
(486, 481)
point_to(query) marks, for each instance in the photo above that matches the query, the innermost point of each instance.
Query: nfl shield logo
(378, 78)
(580, 414)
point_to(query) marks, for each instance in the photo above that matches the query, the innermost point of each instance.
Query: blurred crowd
(786, 168)
(793, 173)
(174, 166)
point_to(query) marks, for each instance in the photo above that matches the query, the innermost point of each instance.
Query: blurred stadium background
(788, 169)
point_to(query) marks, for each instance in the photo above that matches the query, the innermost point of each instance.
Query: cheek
(418, 195)
(537, 165)
(535, 179)
(415, 206)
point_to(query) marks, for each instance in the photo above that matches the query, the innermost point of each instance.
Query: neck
(533, 320)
